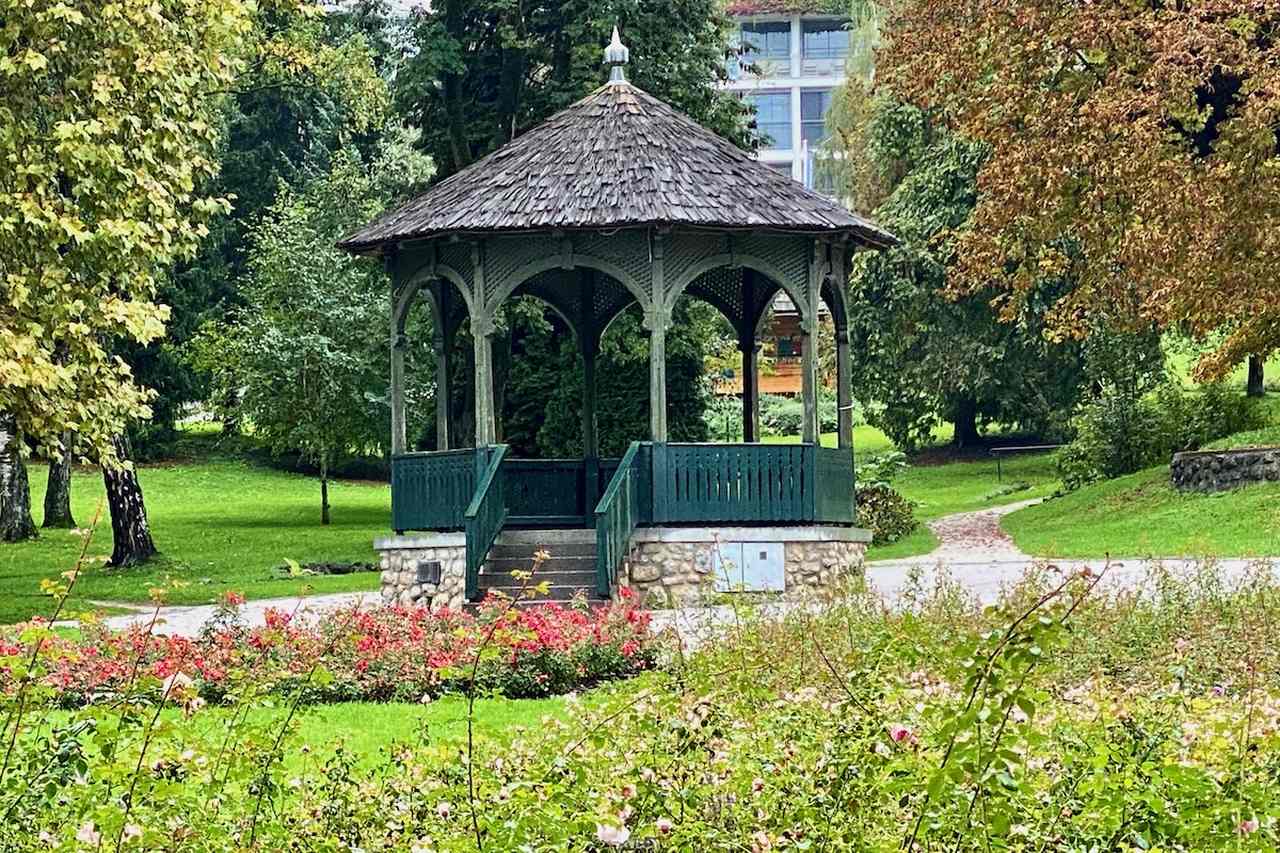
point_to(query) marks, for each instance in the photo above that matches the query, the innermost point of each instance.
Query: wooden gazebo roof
(618, 158)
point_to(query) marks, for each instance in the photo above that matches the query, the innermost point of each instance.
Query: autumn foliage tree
(1133, 150)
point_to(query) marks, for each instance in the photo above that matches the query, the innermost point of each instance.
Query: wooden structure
(618, 199)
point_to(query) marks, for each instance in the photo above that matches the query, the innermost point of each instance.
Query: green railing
(742, 483)
(485, 516)
(618, 514)
(430, 491)
(833, 492)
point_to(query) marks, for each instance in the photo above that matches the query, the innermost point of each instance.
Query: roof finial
(616, 56)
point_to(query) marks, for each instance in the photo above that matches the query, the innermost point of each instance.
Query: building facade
(791, 63)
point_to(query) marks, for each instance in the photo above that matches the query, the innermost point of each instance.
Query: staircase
(570, 568)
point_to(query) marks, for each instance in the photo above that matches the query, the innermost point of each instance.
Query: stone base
(673, 566)
(399, 557)
(1219, 470)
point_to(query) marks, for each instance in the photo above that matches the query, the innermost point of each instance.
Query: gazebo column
(809, 343)
(444, 396)
(750, 390)
(589, 344)
(844, 388)
(750, 366)
(399, 308)
(657, 318)
(482, 331)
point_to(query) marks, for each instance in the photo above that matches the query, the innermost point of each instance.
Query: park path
(972, 550)
(976, 553)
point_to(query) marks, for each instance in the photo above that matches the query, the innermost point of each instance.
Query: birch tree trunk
(57, 496)
(130, 531)
(16, 523)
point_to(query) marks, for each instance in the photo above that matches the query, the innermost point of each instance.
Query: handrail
(617, 517)
(484, 517)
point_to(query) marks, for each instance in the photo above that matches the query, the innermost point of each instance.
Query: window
(814, 104)
(773, 118)
(766, 41)
(824, 39)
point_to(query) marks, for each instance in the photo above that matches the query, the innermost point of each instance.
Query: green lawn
(963, 486)
(1142, 515)
(219, 524)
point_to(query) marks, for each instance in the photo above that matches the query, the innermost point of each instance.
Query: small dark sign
(429, 571)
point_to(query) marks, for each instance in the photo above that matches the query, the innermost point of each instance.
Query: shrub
(785, 415)
(888, 515)
(1117, 434)
(378, 654)
(1065, 716)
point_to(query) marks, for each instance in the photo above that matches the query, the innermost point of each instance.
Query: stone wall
(399, 557)
(675, 566)
(1219, 470)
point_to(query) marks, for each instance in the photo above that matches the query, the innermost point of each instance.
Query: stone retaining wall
(675, 566)
(1219, 470)
(399, 557)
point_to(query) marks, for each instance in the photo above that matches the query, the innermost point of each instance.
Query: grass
(1265, 437)
(965, 486)
(866, 439)
(1141, 515)
(220, 525)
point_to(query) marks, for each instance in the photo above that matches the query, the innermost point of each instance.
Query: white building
(800, 58)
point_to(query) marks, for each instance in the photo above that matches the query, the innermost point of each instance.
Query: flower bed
(378, 654)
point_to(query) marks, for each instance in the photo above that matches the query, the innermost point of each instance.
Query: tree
(308, 350)
(921, 356)
(106, 137)
(57, 493)
(486, 70)
(15, 495)
(1144, 133)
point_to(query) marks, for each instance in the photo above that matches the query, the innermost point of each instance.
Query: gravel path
(972, 550)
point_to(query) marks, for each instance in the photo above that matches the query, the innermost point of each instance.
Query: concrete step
(555, 593)
(548, 539)
(572, 578)
(526, 552)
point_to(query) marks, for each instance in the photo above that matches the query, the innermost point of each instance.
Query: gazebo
(618, 199)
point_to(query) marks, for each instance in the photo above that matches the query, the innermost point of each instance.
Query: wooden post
(656, 320)
(399, 307)
(747, 345)
(844, 388)
(750, 392)
(482, 329)
(809, 342)
(589, 343)
(442, 344)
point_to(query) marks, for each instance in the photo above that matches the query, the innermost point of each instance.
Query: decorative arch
(571, 261)
(737, 259)
(834, 297)
(425, 275)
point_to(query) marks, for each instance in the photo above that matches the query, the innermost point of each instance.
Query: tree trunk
(324, 490)
(130, 532)
(57, 496)
(1257, 384)
(966, 423)
(16, 523)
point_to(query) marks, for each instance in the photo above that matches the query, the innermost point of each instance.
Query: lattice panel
(791, 255)
(686, 250)
(628, 250)
(457, 256)
(721, 287)
(562, 289)
(504, 257)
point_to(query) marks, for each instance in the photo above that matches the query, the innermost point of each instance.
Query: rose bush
(372, 654)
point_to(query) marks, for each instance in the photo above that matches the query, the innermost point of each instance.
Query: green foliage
(107, 143)
(307, 355)
(483, 72)
(622, 385)
(887, 514)
(1117, 433)
(1063, 717)
(918, 354)
(785, 415)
